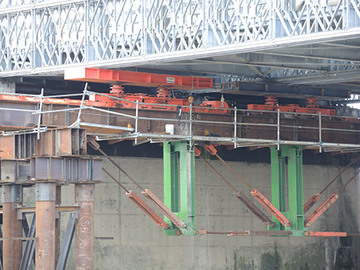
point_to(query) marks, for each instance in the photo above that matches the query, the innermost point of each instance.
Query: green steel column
(278, 183)
(289, 202)
(179, 185)
(296, 210)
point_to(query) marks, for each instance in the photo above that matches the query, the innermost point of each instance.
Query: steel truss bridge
(292, 43)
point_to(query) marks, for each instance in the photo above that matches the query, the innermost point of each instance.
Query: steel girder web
(291, 204)
(179, 185)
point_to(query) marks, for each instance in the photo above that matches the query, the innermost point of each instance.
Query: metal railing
(39, 34)
(189, 121)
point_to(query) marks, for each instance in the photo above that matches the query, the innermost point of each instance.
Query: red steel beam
(254, 209)
(270, 207)
(137, 78)
(164, 209)
(321, 209)
(326, 234)
(147, 209)
(311, 202)
(246, 233)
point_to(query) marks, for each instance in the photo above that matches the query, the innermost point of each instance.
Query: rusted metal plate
(55, 142)
(13, 114)
(15, 171)
(66, 169)
(7, 147)
(147, 209)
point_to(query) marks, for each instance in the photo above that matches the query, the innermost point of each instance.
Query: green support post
(290, 203)
(179, 185)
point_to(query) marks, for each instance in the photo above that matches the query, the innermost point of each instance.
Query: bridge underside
(295, 48)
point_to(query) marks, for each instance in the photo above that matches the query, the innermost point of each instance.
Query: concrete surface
(138, 243)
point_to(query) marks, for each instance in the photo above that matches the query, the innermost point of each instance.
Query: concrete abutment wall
(125, 238)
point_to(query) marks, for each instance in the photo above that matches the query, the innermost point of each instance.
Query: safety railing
(185, 122)
(231, 118)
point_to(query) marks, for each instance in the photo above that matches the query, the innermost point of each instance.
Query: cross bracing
(253, 39)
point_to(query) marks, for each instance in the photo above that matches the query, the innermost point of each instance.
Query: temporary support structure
(12, 226)
(290, 202)
(179, 185)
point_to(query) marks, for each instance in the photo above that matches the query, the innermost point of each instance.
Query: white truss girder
(50, 35)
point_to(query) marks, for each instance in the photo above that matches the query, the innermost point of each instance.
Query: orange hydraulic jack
(271, 104)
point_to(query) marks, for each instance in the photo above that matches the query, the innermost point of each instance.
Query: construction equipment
(271, 104)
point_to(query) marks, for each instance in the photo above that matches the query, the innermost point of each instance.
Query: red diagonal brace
(326, 234)
(314, 199)
(253, 208)
(271, 208)
(321, 209)
(147, 209)
(164, 209)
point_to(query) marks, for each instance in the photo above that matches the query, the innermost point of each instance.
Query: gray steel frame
(28, 255)
(40, 37)
(67, 240)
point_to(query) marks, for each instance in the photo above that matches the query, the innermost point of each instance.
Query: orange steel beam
(147, 209)
(270, 207)
(137, 78)
(246, 233)
(326, 234)
(321, 209)
(164, 209)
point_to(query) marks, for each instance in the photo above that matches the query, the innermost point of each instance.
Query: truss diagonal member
(321, 209)
(248, 203)
(164, 209)
(212, 150)
(66, 243)
(271, 208)
(311, 202)
(28, 255)
(327, 203)
(147, 209)
(253, 208)
(315, 198)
